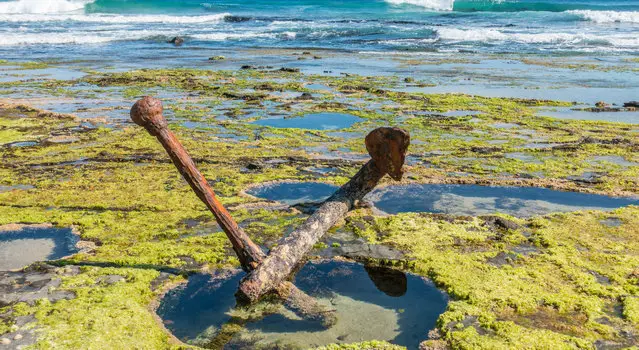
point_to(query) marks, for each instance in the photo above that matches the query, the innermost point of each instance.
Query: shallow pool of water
(370, 303)
(23, 247)
(15, 187)
(23, 144)
(481, 200)
(453, 199)
(462, 113)
(293, 193)
(569, 113)
(316, 121)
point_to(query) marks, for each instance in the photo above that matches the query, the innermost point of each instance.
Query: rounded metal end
(387, 146)
(147, 113)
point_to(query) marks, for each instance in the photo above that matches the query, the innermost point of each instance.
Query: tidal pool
(452, 199)
(292, 193)
(370, 303)
(569, 113)
(23, 247)
(315, 121)
(481, 200)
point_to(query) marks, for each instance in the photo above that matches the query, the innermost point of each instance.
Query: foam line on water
(9, 39)
(39, 6)
(494, 35)
(607, 16)
(441, 5)
(114, 19)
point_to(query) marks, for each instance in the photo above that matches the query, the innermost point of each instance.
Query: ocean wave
(441, 5)
(607, 16)
(13, 39)
(114, 19)
(493, 35)
(39, 6)
(232, 36)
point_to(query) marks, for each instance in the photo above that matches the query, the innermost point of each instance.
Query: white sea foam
(113, 19)
(607, 16)
(43, 6)
(441, 5)
(12, 39)
(231, 36)
(493, 35)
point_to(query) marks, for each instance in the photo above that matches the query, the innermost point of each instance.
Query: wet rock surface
(39, 281)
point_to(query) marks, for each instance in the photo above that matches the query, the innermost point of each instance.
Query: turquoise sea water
(507, 26)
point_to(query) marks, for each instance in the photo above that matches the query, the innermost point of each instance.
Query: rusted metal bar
(147, 113)
(387, 147)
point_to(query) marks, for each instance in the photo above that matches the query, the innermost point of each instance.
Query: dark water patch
(611, 222)
(324, 170)
(23, 247)
(504, 125)
(15, 187)
(462, 113)
(482, 200)
(539, 145)
(618, 160)
(318, 87)
(23, 144)
(570, 113)
(344, 134)
(370, 303)
(316, 121)
(524, 157)
(293, 193)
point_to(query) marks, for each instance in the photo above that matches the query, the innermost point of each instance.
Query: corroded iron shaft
(147, 113)
(387, 148)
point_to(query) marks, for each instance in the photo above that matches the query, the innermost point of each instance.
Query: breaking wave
(607, 16)
(493, 35)
(441, 5)
(114, 19)
(39, 6)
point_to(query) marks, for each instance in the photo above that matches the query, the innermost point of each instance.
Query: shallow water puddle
(370, 302)
(23, 247)
(570, 113)
(15, 187)
(452, 199)
(316, 121)
(462, 113)
(481, 200)
(618, 160)
(23, 144)
(292, 193)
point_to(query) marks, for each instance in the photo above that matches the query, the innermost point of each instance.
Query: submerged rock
(496, 222)
(289, 70)
(177, 41)
(305, 96)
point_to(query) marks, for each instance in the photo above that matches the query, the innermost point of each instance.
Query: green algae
(116, 186)
(549, 295)
(101, 315)
(25, 65)
(370, 345)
